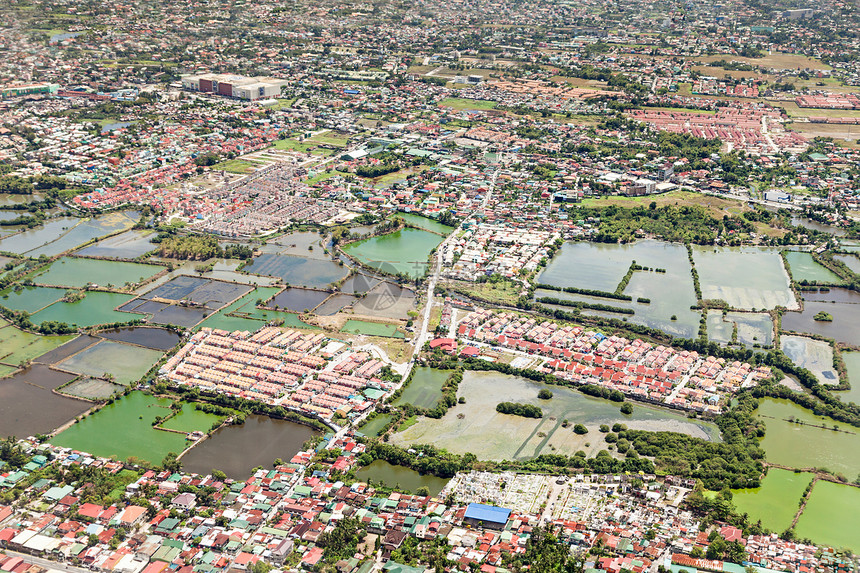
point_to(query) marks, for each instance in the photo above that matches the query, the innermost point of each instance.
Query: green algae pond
(425, 388)
(17, 346)
(96, 308)
(832, 516)
(374, 426)
(190, 419)
(426, 223)
(804, 267)
(776, 502)
(400, 477)
(852, 365)
(124, 429)
(806, 444)
(371, 329)
(30, 298)
(405, 251)
(77, 272)
(477, 427)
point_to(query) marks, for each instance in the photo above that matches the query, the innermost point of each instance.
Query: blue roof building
(487, 515)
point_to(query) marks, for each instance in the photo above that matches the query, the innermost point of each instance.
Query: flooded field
(334, 304)
(814, 355)
(476, 426)
(405, 251)
(128, 245)
(400, 477)
(425, 223)
(371, 329)
(95, 308)
(299, 271)
(425, 389)
(753, 328)
(64, 233)
(804, 267)
(124, 429)
(360, 283)
(236, 450)
(850, 261)
(598, 266)
(92, 389)
(602, 266)
(78, 272)
(775, 502)
(305, 244)
(180, 315)
(852, 364)
(122, 363)
(832, 516)
(845, 326)
(29, 407)
(745, 277)
(387, 300)
(17, 346)
(297, 299)
(157, 338)
(804, 445)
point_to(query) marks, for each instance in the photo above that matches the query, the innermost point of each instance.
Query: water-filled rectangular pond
(745, 277)
(425, 388)
(123, 362)
(78, 272)
(776, 501)
(804, 267)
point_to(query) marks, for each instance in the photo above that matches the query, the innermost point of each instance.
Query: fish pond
(850, 261)
(477, 427)
(58, 235)
(78, 272)
(157, 338)
(29, 407)
(845, 326)
(128, 245)
(811, 443)
(403, 478)
(124, 429)
(814, 355)
(300, 271)
(745, 277)
(754, 328)
(96, 308)
(236, 450)
(405, 251)
(374, 426)
(119, 362)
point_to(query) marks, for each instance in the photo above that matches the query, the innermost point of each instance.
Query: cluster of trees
(21, 319)
(582, 304)
(586, 291)
(680, 224)
(199, 248)
(342, 541)
(424, 459)
(524, 410)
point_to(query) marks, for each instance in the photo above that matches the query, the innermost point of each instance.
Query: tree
(580, 429)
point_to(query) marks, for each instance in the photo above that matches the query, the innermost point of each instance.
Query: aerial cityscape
(423, 287)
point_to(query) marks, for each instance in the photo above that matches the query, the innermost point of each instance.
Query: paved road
(47, 564)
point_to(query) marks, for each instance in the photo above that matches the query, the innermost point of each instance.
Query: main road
(46, 563)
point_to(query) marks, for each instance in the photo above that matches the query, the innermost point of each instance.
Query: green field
(425, 388)
(371, 329)
(466, 104)
(16, 346)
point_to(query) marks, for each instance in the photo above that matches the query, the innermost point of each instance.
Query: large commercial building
(229, 85)
(27, 89)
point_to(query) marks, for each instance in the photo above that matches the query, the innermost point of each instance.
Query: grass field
(717, 205)
(682, 109)
(329, 139)
(502, 292)
(778, 61)
(282, 104)
(236, 166)
(793, 110)
(847, 135)
(579, 82)
(464, 104)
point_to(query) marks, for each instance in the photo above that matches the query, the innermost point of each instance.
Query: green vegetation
(199, 248)
(524, 410)
(544, 394)
(822, 316)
